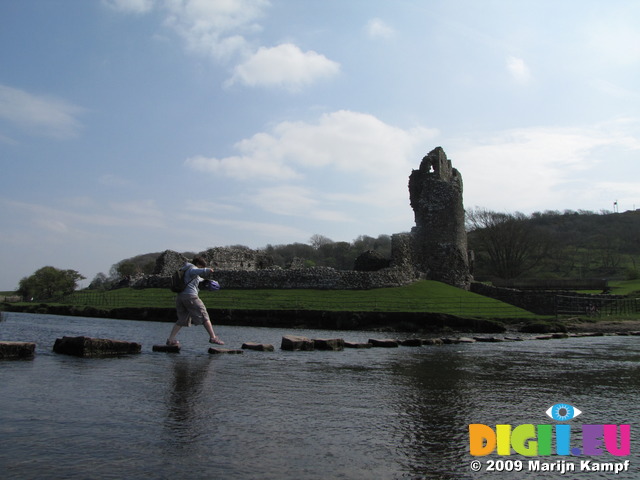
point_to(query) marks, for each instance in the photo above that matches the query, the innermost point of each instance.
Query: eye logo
(562, 412)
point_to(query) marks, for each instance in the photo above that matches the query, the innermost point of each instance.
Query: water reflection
(186, 399)
(435, 407)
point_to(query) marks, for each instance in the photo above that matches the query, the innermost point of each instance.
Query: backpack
(177, 284)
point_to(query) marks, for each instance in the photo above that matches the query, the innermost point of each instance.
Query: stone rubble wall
(316, 277)
(220, 258)
(540, 302)
(245, 269)
(168, 262)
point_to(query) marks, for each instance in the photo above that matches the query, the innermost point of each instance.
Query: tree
(510, 241)
(317, 240)
(127, 268)
(49, 282)
(99, 282)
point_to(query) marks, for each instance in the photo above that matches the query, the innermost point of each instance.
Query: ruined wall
(245, 268)
(168, 262)
(219, 258)
(440, 238)
(237, 258)
(316, 277)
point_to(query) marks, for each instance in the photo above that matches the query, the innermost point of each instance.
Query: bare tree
(317, 240)
(512, 244)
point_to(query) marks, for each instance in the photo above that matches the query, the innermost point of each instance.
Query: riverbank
(315, 319)
(603, 326)
(418, 322)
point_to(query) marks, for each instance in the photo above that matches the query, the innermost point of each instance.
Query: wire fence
(596, 306)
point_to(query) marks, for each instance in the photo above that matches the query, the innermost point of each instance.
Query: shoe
(174, 343)
(216, 340)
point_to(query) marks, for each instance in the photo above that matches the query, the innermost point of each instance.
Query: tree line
(554, 244)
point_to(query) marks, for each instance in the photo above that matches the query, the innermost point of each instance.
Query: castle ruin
(440, 238)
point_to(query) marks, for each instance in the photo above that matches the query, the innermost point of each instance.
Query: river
(376, 413)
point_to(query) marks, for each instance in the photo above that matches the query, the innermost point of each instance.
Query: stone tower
(440, 238)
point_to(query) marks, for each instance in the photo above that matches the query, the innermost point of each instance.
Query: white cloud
(211, 208)
(39, 114)
(130, 6)
(322, 170)
(256, 165)
(283, 66)
(541, 167)
(519, 70)
(219, 29)
(262, 229)
(342, 141)
(376, 28)
(111, 180)
(215, 28)
(145, 209)
(133, 214)
(298, 201)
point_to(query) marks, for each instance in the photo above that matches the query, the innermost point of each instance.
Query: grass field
(422, 296)
(624, 287)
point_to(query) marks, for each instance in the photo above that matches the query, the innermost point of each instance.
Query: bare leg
(174, 331)
(209, 328)
(212, 335)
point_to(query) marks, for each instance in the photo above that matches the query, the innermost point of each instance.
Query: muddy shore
(603, 326)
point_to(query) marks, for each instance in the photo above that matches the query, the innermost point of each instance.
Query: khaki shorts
(191, 311)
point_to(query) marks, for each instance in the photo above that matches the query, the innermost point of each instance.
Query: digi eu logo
(539, 440)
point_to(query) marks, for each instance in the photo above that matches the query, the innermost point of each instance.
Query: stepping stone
(215, 351)
(17, 350)
(488, 339)
(94, 347)
(334, 344)
(166, 348)
(383, 342)
(295, 343)
(466, 340)
(432, 341)
(411, 342)
(260, 347)
(357, 345)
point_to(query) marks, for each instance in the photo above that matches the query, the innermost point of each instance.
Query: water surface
(356, 414)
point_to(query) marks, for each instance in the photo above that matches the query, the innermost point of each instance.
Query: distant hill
(576, 245)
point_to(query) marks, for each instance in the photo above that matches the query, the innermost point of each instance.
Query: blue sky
(134, 126)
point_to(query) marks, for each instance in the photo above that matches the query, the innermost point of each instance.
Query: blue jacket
(192, 279)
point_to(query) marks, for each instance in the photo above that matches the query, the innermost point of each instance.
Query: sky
(136, 126)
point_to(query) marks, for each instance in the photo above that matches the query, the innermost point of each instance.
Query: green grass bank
(423, 305)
